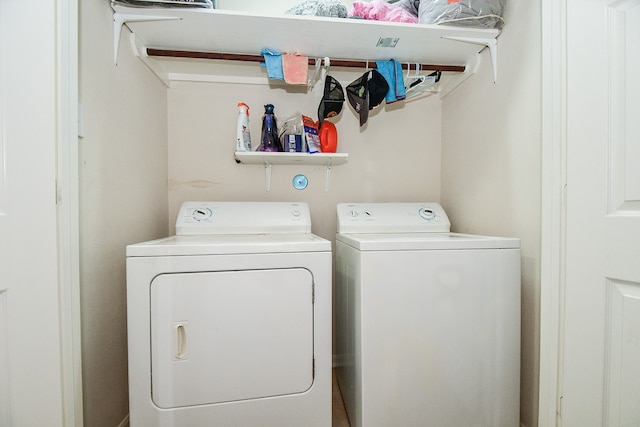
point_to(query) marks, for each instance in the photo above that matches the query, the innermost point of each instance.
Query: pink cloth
(379, 10)
(295, 68)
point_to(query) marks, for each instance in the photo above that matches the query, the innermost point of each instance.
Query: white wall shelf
(241, 33)
(268, 159)
(272, 158)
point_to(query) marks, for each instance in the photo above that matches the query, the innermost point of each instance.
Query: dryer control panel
(243, 218)
(381, 218)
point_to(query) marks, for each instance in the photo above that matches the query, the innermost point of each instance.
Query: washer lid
(392, 218)
(230, 244)
(425, 241)
(243, 218)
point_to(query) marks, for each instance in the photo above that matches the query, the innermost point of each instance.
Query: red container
(328, 137)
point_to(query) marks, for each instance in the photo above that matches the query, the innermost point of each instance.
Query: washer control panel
(392, 218)
(243, 218)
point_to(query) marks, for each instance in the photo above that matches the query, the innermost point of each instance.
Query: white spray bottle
(243, 142)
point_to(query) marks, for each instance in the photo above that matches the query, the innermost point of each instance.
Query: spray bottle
(243, 142)
(269, 140)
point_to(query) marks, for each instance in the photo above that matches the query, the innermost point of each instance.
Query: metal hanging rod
(260, 58)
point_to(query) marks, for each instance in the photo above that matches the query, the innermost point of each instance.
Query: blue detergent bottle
(269, 140)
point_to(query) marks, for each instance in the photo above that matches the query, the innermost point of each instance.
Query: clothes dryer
(427, 321)
(229, 321)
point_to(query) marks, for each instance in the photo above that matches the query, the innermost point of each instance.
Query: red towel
(295, 68)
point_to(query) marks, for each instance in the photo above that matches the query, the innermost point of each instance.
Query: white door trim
(553, 208)
(67, 206)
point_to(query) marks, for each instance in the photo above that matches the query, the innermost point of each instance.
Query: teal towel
(392, 72)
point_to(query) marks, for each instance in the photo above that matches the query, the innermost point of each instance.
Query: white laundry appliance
(427, 321)
(229, 321)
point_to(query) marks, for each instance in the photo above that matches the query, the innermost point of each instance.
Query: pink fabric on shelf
(295, 68)
(379, 10)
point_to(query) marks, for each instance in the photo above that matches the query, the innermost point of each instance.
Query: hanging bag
(467, 13)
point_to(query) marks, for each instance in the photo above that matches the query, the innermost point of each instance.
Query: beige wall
(123, 199)
(396, 157)
(491, 179)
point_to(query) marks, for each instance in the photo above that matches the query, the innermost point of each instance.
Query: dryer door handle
(181, 341)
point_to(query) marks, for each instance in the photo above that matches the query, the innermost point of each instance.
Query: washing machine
(229, 321)
(427, 321)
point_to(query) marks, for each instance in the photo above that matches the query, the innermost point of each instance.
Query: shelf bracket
(267, 169)
(327, 172)
(492, 44)
(119, 19)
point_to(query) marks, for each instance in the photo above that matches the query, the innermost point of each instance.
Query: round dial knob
(202, 214)
(427, 214)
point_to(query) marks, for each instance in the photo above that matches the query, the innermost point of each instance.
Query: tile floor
(339, 415)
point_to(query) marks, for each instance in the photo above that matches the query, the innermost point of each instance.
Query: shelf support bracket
(119, 19)
(327, 172)
(492, 44)
(267, 168)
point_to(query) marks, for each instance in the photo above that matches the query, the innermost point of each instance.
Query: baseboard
(124, 422)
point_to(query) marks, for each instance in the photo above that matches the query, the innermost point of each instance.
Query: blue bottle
(269, 140)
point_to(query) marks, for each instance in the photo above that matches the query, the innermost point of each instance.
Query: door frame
(552, 213)
(553, 209)
(67, 207)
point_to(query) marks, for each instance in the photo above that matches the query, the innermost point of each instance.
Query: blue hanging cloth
(273, 62)
(392, 72)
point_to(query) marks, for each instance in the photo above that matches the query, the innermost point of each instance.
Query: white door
(31, 373)
(601, 364)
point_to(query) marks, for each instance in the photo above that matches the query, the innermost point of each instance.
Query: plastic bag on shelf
(327, 8)
(379, 10)
(466, 13)
(292, 134)
(206, 4)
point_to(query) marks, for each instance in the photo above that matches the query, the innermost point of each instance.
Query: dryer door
(230, 335)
